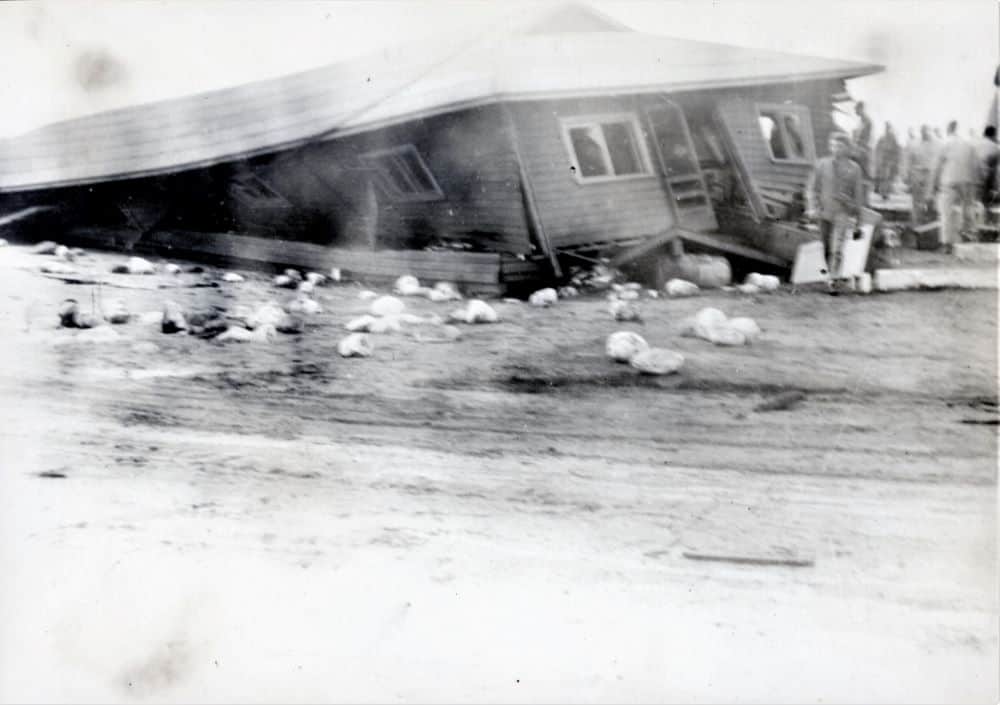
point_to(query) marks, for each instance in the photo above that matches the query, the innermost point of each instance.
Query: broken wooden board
(479, 271)
(644, 248)
(719, 244)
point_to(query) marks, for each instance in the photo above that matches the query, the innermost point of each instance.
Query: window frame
(805, 121)
(637, 134)
(372, 162)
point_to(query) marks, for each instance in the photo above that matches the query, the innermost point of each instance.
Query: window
(605, 147)
(787, 132)
(402, 174)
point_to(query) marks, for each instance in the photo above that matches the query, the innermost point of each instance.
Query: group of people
(946, 176)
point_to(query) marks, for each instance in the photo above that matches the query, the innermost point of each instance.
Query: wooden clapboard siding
(470, 155)
(738, 111)
(575, 214)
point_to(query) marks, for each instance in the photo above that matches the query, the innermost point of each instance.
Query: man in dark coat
(887, 152)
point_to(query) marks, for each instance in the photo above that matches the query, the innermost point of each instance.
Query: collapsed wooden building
(491, 159)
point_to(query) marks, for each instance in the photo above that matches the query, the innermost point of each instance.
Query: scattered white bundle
(294, 274)
(305, 287)
(239, 334)
(624, 310)
(283, 281)
(267, 314)
(315, 278)
(232, 278)
(335, 274)
(137, 265)
(748, 288)
(367, 295)
(386, 324)
(747, 326)
(475, 311)
(172, 268)
(444, 291)
(303, 305)
(407, 285)
(387, 306)
(543, 297)
(632, 286)
(3, 242)
(355, 345)
(657, 361)
(361, 323)
(712, 325)
(628, 294)
(151, 317)
(624, 345)
(62, 252)
(652, 293)
(681, 287)
(766, 282)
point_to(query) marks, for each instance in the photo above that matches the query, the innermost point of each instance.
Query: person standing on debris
(886, 162)
(835, 189)
(956, 174)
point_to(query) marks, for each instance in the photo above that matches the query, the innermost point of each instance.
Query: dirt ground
(508, 517)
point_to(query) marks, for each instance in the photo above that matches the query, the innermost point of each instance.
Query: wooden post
(529, 195)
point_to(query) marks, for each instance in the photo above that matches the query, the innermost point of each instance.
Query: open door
(679, 167)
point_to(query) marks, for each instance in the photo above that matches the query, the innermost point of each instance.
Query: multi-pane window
(402, 174)
(787, 132)
(605, 147)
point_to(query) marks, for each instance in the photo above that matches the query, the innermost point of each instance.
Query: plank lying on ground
(475, 268)
(933, 278)
(748, 560)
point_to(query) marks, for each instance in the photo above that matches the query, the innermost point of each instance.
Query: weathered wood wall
(573, 213)
(471, 157)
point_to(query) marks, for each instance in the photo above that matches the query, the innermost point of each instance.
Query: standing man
(835, 189)
(862, 138)
(956, 174)
(887, 152)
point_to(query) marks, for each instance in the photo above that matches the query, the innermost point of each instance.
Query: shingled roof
(572, 52)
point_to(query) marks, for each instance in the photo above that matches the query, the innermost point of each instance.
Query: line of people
(948, 177)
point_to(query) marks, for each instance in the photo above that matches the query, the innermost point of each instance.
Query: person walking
(835, 190)
(988, 153)
(956, 174)
(921, 158)
(887, 152)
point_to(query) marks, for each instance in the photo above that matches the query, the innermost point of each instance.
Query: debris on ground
(681, 287)
(315, 278)
(444, 291)
(568, 292)
(134, 265)
(269, 313)
(764, 282)
(623, 345)
(782, 401)
(206, 323)
(408, 285)
(657, 361)
(355, 345)
(232, 278)
(238, 334)
(283, 281)
(440, 334)
(600, 276)
(750, 560)
(304, 306)
(475, 311)
(624, 311)
(173, 320)
(171, 268)
(712, 325)
(543, 298)
(748, 288)
(335, 274)
(387, 306)
(367, 295)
